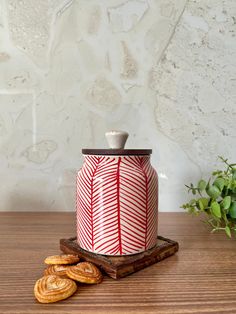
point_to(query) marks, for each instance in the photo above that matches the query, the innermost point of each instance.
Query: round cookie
(52, 288)
(63, 259)
(59, 270)
(85, 272)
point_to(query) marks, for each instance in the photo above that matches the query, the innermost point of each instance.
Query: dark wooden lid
(117, 152)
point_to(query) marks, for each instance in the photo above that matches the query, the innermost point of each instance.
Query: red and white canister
(117, 199)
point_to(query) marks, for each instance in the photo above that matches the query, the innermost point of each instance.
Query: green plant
(216, 198)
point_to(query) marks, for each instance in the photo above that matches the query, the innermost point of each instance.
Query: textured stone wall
(164, 70)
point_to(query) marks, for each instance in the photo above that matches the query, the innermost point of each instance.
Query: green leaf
(217, 172)
(219, 182)
(225, 217)
(226, 202)
(232, 210)
(227, 231)
(202, 185)
(203, 203)
(213, 191)
(192, 202)
(215, 207)
(234, 174)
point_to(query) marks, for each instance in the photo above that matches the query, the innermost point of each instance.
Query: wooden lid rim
(117, 152)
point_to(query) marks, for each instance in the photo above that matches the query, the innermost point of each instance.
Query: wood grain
(200, 278)
(121, 266)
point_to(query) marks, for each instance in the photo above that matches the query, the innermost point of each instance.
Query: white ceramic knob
(116, 139)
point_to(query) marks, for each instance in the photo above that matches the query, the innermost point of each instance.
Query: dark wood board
(122, 266)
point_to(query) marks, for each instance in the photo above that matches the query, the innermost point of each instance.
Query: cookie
(62, 259)
(85, 272)
(59, 270)
(52, 288)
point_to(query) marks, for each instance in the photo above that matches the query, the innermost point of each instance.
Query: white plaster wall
(164, 70)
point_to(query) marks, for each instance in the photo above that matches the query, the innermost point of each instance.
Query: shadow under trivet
(121, 266)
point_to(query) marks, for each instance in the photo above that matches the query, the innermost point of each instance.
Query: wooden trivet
(121, 266)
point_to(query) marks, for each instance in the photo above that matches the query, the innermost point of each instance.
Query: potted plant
(216, 198)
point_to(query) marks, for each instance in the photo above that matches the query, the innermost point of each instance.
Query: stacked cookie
(61, 275)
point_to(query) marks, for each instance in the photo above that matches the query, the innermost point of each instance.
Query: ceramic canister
(117, 199)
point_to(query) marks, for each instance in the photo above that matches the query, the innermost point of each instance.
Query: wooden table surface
(200, 278)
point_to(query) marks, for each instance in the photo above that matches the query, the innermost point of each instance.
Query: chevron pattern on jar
(97, 205)
(152, 201)
(117, 204)
(138, 204)
(85, 181)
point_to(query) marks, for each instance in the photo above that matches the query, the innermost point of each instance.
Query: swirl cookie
(59, 270)
(61, 259)
(52, 288)
(85, 272)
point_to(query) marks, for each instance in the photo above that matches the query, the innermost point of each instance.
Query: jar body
(117, 204)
